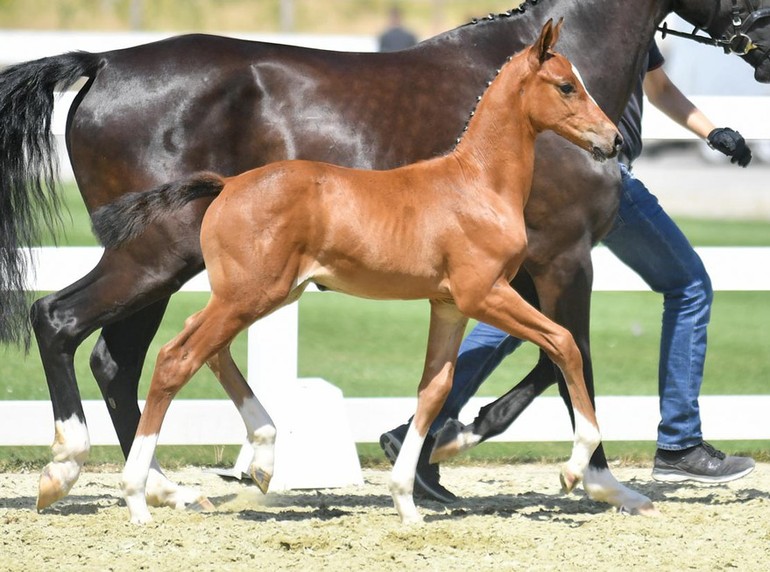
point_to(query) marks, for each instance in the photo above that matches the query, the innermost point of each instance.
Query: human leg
(646, 239)
(480, 353)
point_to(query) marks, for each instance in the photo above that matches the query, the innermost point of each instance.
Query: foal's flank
(450, 230)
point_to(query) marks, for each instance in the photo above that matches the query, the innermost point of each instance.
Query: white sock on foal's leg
(402, 476)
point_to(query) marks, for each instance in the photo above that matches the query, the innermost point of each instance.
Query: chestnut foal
(450, 229)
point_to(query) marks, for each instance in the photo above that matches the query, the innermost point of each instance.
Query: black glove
(732, 144)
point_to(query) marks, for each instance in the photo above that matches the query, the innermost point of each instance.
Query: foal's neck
(499, 141)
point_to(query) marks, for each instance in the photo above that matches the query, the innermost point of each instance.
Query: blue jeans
(646, 239)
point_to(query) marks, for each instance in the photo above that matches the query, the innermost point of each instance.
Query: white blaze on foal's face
(580, 79)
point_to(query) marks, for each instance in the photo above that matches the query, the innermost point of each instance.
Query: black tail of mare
(29, 201)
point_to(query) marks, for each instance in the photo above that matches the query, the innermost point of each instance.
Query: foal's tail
(29, 173)
(126, 218)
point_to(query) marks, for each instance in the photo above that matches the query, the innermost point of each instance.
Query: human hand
(731, 143)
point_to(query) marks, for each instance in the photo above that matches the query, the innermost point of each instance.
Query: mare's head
(741, 27)
(557, 100)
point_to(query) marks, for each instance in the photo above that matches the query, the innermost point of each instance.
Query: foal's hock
(449, 229)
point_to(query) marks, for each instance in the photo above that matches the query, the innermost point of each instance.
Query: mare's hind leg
(114, 289)
(447, 326)
(260, 429)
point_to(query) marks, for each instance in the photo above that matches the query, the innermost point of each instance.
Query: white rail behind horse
(272, 367)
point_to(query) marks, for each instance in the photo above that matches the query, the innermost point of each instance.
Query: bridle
(738, 42)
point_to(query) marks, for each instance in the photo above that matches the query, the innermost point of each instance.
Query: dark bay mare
(157, 112)
(421, 231)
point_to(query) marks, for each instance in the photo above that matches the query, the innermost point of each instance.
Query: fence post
(314, 445)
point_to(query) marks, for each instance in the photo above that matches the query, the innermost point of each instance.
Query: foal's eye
(567, 88)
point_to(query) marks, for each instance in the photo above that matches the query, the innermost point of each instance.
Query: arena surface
(509, 518)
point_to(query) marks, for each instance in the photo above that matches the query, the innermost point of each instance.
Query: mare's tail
(29, 173)
(126, 218)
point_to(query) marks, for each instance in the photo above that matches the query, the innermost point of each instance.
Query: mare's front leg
(565, 291)
(494, 418)
(447, 326)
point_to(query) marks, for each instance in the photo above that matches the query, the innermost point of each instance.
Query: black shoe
(426, 479)
(701, 463)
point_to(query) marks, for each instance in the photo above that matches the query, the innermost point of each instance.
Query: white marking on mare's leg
(70, 450)
(602, 486)
(162, 491)
(402, 476)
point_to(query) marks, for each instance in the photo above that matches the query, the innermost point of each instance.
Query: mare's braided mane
(520, 9)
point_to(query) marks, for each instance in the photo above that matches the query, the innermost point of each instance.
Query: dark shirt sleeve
(630, 124)
(654, 58)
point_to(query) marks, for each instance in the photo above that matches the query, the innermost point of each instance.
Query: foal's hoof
(49, 491)
(453, 439)
(261, 478)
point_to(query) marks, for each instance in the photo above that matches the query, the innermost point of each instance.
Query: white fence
(272, 371)
(319, 413)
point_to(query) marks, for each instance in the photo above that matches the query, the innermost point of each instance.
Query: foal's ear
(548, 36)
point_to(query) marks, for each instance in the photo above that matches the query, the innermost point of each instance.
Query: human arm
(664, 95)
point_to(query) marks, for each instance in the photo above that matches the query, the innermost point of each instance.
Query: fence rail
(272, 354)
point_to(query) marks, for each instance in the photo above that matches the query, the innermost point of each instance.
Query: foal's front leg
(504, 308)
(447, 326)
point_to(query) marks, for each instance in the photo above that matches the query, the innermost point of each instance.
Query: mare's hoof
(453, 439)
(568, 480)
(646, 509)
(50, 489)
(201, 504)
(261, 478)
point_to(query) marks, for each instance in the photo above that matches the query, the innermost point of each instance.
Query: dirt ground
(509, 518)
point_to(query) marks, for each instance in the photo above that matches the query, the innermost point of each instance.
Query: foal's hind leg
(447, 326)
(204, 334)
(260, 429)
(116, 362)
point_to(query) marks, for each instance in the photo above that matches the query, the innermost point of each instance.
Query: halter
(739, 41)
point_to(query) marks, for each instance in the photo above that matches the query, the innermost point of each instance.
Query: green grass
(370, 348)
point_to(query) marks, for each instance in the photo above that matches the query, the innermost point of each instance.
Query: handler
(646, 239)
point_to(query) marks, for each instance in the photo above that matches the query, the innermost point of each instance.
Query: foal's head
(557, 99)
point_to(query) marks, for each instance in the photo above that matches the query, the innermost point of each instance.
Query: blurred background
(425, 17)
